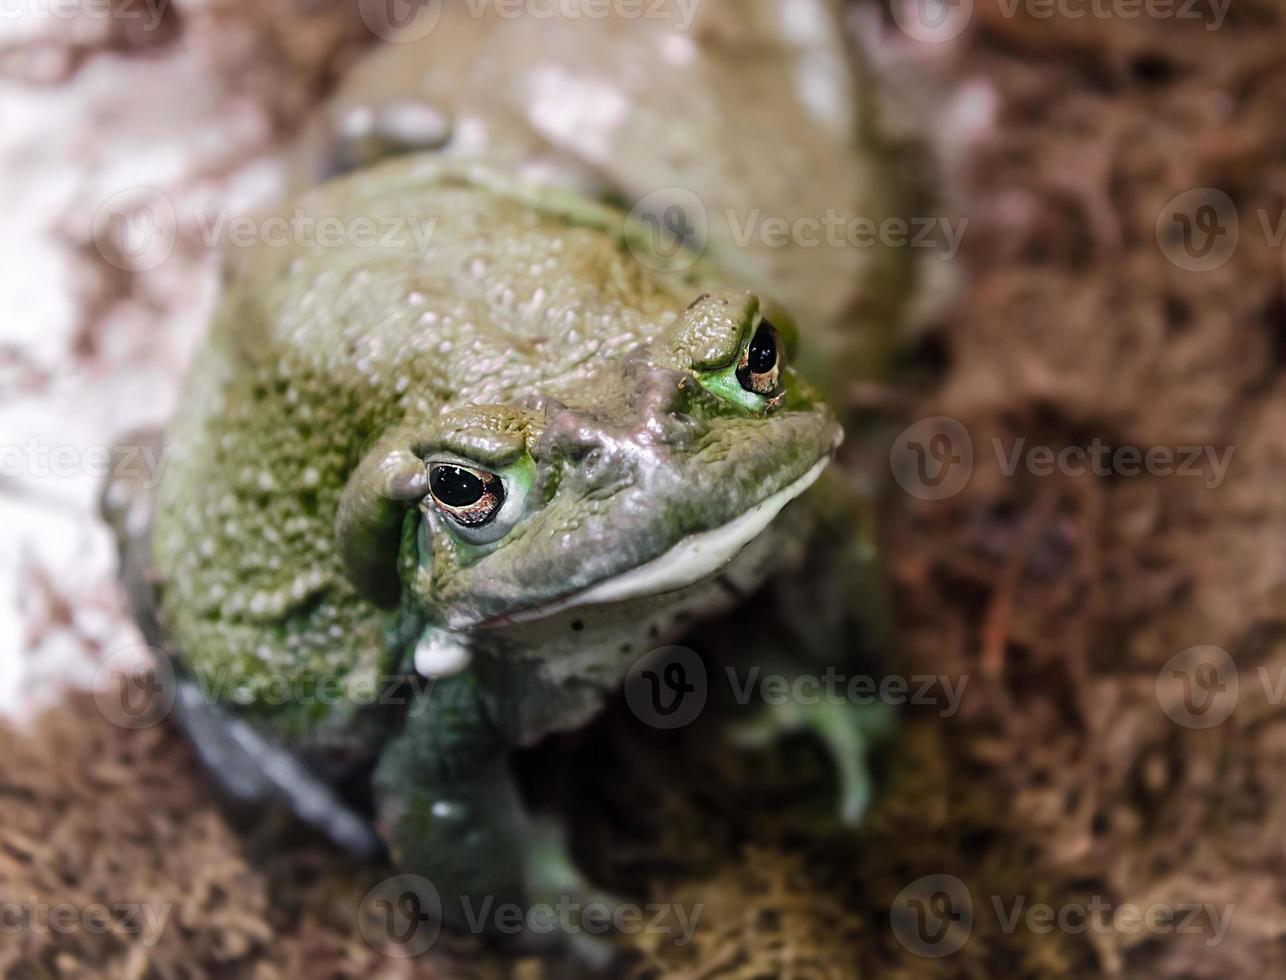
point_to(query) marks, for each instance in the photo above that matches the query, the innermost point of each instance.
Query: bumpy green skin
(561, 345)
(528, 334)
(757, 117)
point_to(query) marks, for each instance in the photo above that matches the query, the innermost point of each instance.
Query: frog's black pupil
(455, 486)
(761, 357)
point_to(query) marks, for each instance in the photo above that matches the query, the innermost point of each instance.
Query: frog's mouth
(690, 560)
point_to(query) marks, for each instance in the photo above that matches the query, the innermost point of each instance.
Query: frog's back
(407, 291)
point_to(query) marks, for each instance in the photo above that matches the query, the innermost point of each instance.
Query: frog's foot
(848, 730)
(364, 134)
(125, 502)
(253, 772)
(580, 908)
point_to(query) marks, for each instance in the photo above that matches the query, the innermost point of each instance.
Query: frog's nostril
(582, 454)
(570, 437)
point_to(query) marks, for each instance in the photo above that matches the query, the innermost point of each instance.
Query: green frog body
(432, 492)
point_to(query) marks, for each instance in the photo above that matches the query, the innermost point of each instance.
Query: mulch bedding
(1061, 597)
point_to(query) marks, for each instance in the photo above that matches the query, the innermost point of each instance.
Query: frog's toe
(552, 875)
(364, 134)
(581, 911)
(849, 732)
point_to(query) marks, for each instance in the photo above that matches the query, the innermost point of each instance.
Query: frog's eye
(759, 369)
(470, 496)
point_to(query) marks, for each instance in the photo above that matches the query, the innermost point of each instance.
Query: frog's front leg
(449, 806)
(831, 624)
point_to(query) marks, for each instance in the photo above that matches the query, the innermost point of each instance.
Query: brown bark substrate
(1061, 599)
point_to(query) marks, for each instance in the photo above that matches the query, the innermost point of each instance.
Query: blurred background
(1099, 549)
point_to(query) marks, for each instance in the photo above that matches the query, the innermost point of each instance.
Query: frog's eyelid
(714, 339)
(488, 436)
(739, 350)
(476, 447)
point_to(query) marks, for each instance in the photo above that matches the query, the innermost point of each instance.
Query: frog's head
(644, 477)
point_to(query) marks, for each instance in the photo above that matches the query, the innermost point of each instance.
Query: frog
(484, 470)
